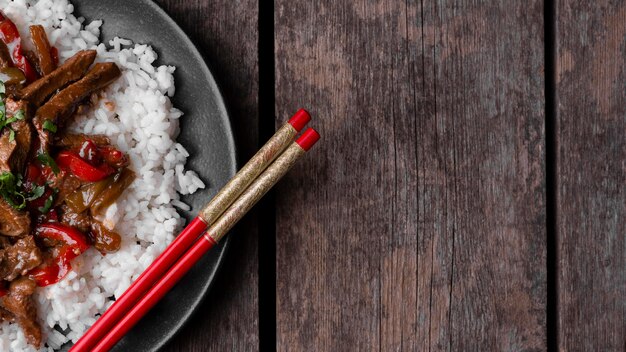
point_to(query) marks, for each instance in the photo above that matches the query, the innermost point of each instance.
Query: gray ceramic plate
(205, 133)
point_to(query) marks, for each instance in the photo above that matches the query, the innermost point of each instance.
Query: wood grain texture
(591, 155)
(418, 222)
(225, 32)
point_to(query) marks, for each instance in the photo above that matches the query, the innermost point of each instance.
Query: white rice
(136, 113)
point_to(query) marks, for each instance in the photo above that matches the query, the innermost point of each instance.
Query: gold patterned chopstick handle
(255, 192)
(254, 167)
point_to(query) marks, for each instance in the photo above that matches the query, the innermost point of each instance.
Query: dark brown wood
(591, 147)
(225, 32)
(418, 223)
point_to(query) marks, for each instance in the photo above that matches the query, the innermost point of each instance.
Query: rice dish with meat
(135, 112)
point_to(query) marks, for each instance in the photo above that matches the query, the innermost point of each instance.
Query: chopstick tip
(308, 139)
(300, 119)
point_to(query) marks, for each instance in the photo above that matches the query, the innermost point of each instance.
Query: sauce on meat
(54, 185)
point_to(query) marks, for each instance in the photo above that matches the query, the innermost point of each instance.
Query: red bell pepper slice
(89, 151)
(32, 173)
(68, 235)
(41, 201)
(49, 217)
(81, 168)
(57, 268)
(11, 37)
(113, 157)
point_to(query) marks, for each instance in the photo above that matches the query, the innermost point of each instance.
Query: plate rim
(169, 335)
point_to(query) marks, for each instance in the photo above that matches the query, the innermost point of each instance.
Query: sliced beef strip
(23, 139)
(63, 105)
(73, 140)
(80, 221)
(31, 57)
(19, 259)
(60, 107)
(4, 242)
(5, 56)
(13, 223)
(71, 70)
(5, 315)
(20, 303)
(42, 49)
(67, 185)
(13, 154)
(7, 149)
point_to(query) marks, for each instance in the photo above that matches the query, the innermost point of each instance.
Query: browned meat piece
(61, 107)
(20, 303)
(66, 186)
(13, 222)
(4, 242)
(31, 57)
(72, 70)
(5, 56)
(42, 49)
(80, 221)
(23, 139)
(13, 78)
(5, 315)
(19, 258)
(13, 154)
(105, 240)
(7, 149)
(70, 140)
(15, 105)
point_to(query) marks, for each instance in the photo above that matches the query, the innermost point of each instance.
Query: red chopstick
(229, 193)
(231, 216)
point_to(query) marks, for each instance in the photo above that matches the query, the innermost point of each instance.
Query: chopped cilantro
(47, 160)
(48, 125)
(37, 192)
(4, 121)
(47, 205)
(19, 115)
(9, 191)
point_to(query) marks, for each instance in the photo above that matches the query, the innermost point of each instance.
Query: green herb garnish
(7, 182)
(48, 125)
(37, 192)
(47, 205)
(19, 115)
(10, 192)
(47, 160)
(4, 122)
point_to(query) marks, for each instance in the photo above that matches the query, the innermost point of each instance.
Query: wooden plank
(591, 154)
(225, 32)
(419, 222)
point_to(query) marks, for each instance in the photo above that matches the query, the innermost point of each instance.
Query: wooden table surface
(469, 190)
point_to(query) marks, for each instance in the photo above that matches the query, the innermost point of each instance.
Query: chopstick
(218, 204)
(216, 232)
